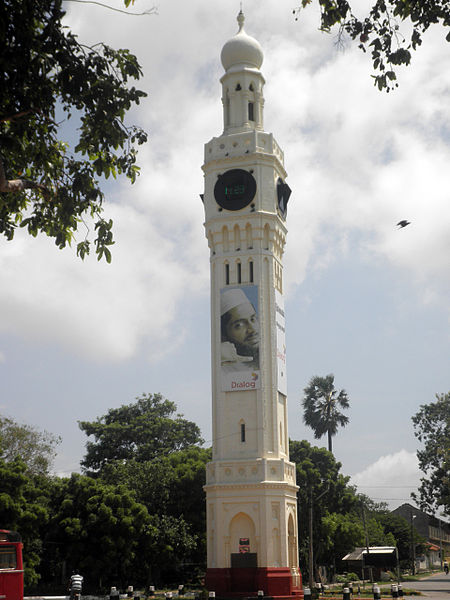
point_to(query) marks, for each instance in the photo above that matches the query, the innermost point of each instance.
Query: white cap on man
(230, 298)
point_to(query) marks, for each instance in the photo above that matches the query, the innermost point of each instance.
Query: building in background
(435, 531)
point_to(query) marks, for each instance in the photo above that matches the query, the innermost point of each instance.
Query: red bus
(11, 566)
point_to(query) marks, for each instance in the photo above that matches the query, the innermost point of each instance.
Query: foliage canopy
(432, 428)
(321, 403)
(36, 449)
(171, 488)
(23, 508)
(380, 31)
(96, 528)
(333, 498)
(141, 432)
(48, 77)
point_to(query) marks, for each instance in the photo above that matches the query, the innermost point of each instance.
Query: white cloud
(99, 310)
(358, 162)
(391, 478)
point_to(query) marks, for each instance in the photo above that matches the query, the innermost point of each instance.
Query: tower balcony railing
(250, 471)
(239, 144)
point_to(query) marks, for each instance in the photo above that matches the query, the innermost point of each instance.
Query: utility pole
(311, 551)
(367, 540)
(413, 546)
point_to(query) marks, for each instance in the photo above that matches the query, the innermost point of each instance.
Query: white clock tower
(251, 492)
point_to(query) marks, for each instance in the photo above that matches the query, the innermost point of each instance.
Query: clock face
(235, 189)
(283, 194)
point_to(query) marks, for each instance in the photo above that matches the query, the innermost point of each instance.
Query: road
(435, 587)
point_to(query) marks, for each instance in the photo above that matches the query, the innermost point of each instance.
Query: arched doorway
(292, 542)
(243, 557)
(242, 528)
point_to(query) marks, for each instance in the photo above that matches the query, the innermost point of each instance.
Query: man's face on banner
(242, 328)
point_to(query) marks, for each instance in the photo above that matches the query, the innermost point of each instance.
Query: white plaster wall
(250, 486)
(267, 507)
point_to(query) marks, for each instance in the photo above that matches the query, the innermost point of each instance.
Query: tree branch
(19, 185)
(151, 11)
(20, 114)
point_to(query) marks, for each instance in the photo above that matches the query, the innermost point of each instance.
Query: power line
(392, 487)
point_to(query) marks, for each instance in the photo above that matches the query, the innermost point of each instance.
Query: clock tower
(251, 492)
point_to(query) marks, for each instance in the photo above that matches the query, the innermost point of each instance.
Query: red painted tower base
(240, 582)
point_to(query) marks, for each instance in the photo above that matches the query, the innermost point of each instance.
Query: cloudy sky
(364, 300)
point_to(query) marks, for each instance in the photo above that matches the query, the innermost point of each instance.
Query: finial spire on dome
(240, 20)
(242, 50)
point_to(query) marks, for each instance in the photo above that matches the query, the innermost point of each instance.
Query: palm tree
(320, 407)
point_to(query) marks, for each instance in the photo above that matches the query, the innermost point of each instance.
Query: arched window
(237, 237)
(227, 108)
(249, 236)
(266, 236)
(251, 111)
(225, 239)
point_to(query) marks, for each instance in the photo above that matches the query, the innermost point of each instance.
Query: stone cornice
(262, 485)
(261, 216)
(241, 161)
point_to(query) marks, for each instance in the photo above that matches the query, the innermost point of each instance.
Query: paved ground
(435, 587)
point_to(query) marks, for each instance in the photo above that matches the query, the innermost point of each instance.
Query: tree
(167, 549)
(327, 493)
(321, 404)
(171, 484)
(380, 30)
(400, 529)
(97, 529)
(432, 428)
(23, 508)
(142, 431)
(343, 533)
(49, 77)
(36, 449)
(171, 488)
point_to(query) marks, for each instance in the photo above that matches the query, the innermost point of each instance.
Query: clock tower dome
(251, 492)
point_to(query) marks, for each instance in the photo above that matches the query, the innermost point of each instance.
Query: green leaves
(34, 448)
(381, 29)
(142, 431)
(148, 448)
(319, 479)
(321, 403)
(96, 527)
(432, 428)
(104, 239)
(142, 512)
(45, 67)
(23, 508)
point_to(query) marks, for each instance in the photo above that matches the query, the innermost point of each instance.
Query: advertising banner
(240, 338)
(281, 343)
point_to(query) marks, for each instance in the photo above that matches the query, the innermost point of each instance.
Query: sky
(364, 300)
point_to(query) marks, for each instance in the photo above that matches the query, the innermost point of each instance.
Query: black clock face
(235, 189)
(283, 194)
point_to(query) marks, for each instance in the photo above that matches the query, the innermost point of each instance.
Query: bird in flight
(403, 223)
